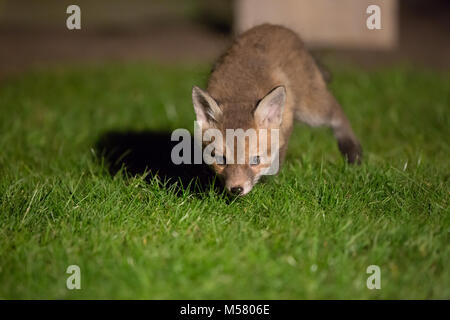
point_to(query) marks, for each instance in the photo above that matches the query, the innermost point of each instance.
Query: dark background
(34, 33)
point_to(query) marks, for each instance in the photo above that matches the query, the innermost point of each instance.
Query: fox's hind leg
(348, 143)
(324, 110)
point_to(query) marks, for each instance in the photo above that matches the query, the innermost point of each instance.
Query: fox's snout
(237, 190)
(238, 179)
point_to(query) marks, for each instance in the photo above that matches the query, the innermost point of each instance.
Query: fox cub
(264, 81)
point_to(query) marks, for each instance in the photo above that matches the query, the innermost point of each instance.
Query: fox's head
(241, 138)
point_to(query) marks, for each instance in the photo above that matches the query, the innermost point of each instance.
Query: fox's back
(259, 60)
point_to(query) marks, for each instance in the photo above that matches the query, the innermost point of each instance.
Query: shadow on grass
(149, 151)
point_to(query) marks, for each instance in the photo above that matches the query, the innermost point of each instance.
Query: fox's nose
(237, 190)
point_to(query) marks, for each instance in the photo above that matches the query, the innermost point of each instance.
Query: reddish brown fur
(263, 58)
(268, 56)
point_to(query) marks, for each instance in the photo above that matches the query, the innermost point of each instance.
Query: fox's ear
(269, 111)
(206, 108)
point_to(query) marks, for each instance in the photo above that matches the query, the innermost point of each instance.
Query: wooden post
(324, 23)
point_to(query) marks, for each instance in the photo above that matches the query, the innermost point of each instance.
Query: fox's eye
(254, 161)
(220, 159)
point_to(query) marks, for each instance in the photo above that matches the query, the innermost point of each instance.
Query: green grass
(309, 232)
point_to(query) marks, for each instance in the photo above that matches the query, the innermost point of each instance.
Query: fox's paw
(351, 150)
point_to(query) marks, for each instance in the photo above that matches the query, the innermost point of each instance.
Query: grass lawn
(309, 232)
